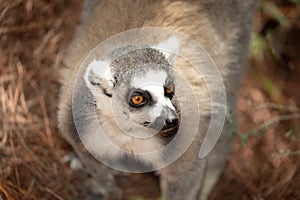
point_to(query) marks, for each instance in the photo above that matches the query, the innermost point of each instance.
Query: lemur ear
(170, 48)
(98, 74)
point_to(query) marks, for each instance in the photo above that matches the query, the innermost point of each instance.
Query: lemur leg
(182, 179)
(177, 180)
(189, 173)
(103, 182)
(215, 163)
(103, 176)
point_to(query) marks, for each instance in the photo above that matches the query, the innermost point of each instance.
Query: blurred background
(265, 163)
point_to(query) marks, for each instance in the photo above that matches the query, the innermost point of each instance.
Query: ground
(265, 161)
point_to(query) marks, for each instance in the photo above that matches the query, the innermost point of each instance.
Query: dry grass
(33, 34)
(268, 166)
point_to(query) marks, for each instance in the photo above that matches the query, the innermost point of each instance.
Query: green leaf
(258, 47)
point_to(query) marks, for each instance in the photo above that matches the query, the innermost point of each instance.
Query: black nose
(171, 123)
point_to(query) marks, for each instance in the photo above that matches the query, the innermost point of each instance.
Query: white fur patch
(100, 69)
(111, 142)
(152, 77)
(169, 47)
(162, 103)
(163, 109)
(154, 82)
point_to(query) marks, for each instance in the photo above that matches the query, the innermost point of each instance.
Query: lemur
(121, 79)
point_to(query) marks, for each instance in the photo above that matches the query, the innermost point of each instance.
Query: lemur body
(223, 30)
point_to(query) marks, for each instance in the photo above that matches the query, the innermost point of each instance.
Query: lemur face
(139, 84)
(143, 95)
(149, 101)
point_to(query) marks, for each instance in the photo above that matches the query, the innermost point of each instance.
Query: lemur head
(140, 84)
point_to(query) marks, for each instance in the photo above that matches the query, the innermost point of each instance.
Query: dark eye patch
(138, 92)
(168, 84)
(169, 94)
(169, 81)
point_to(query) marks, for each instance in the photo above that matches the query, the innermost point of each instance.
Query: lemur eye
(169, 90)
(137, 100)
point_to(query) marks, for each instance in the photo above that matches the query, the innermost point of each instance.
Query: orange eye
(137, 100)
(170, 89)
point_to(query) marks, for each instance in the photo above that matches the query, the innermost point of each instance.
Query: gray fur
(221, 27)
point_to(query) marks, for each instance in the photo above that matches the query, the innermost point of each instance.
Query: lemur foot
(96, 187)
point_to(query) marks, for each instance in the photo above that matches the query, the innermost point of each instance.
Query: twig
(6, 194)
(272, 121)
(6, 182)
(278, 107)
(286, 153)
(44, 113)
(54, 194)
(24, 28)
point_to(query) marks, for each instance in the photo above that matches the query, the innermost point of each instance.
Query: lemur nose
(172, 122)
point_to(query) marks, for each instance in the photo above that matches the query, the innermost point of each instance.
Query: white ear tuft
(169, 47)
(98, 73)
